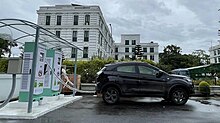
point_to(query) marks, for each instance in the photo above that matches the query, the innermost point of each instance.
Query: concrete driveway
(92, 109)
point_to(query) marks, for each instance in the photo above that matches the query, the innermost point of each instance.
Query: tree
(171, 58)
(169, 55)
(201, 54)
(137, 52)
(172, 50)
(5, 47)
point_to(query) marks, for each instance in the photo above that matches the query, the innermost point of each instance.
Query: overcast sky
(190, 24)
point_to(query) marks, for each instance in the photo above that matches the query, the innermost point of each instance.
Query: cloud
(190, 24)
(206, 11)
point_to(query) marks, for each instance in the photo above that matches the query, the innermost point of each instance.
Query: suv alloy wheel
(179, 96)
(110, 95)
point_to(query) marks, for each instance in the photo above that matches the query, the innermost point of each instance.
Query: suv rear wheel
(110, 95)
(179, 96)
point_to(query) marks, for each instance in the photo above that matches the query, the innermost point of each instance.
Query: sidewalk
(18, 110)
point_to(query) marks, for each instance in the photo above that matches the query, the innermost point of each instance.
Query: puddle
(205, 102)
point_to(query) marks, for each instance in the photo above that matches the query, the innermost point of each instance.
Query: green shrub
(3, 65)
(204, 88)
(210, 81)
(87, 69)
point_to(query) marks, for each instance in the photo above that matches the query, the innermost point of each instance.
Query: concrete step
(87, 86)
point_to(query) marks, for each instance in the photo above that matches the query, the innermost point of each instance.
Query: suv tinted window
(146, 70)
(128, 69)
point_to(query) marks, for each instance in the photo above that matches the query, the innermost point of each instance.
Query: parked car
(141, 79)
(182, 71)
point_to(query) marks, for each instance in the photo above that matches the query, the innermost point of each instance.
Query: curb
(81, 92)
(201, 95)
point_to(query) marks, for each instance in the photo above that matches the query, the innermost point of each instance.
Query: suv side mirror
(159, 74)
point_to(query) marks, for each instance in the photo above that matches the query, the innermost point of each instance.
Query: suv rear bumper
(97, 88)
(192, 90)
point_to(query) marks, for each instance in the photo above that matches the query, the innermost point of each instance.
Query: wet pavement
(92, 109)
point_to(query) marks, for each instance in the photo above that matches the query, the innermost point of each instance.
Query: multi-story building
(215, 54)
(83, 26)
(125, 49)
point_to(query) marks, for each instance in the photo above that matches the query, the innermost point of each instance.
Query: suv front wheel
(110, 95)
(179, 96)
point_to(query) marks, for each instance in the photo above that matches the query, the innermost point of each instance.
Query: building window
(214, 52)
(218, 51)
(47, 20)
(152, 57)
(126, 49)
(86, 36)
(218, 59)
(58, 34)
(73, 53)
(151, 49)
(133, 42)
(116, 49)
(59, 18)
(87, 19)
(85, 52)
(76, 18)
(101, 40)
(144, 49)
(133, 57)
(74, 39)
(127, 57)
(133, 50)
(100, 53)
(126, 42)
(145, 56)
(116, 57)
(215, 60)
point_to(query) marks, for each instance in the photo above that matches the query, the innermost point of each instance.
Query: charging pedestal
(52, 83)
(26, 72)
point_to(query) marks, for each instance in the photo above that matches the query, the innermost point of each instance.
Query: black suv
(141, 79)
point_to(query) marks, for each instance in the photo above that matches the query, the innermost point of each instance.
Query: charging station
(51, 81)
(35, 71)
(27, 70)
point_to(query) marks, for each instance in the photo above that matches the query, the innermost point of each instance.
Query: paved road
(136, 110)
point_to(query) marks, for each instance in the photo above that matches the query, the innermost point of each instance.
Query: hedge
(3, 65)
(87, 69)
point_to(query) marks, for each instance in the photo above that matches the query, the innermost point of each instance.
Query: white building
(215, 54)
(84, 26)
(125, 49)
